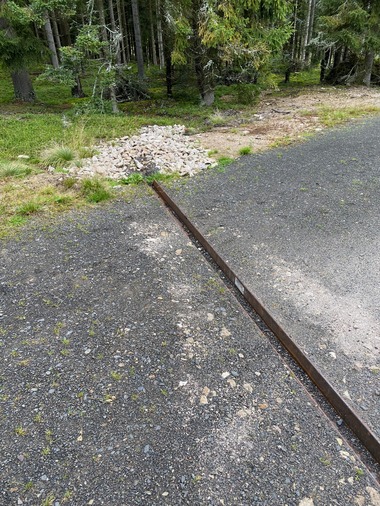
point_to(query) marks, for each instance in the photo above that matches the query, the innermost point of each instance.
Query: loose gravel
(164, 149)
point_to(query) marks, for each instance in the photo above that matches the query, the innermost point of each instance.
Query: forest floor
(284, 119)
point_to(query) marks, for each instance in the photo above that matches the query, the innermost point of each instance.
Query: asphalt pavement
(131, 376)
(300, 227)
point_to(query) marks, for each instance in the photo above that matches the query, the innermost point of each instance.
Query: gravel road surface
(300, 226)
(130, 376)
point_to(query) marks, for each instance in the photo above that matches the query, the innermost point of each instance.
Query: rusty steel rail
(346, 412)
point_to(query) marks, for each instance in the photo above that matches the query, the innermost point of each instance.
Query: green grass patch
(332, 117)
(95, 190)
(133, 179)
(301, 79)
(58, 156)
(224, 161)
(246, 150)
(136, 178)
(27, 208)
(62, 194)
(14, 170)
(158, 176)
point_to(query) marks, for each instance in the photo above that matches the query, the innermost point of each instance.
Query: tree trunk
(57, 38)
(160, 39)
(204, 77)
(22, 86)
(152, 37)
(102, 22)
(126, 35)
(324, 64)
(305, 35)
(114, 32)
(115, 107)
(368, 64)
(122, 28)
(294, 37)
(169, 76)
(77, 90)
(311, 30)
(112, 15)
(138, 41)
(51, 42)
(202, 61)
(65, 32)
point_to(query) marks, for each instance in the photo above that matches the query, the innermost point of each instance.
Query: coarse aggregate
(130, 376)
(300, 227)
(164, 149)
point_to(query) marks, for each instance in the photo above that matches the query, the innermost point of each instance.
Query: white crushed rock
(163, 149)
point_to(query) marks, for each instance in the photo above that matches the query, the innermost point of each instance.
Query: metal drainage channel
(346, 412)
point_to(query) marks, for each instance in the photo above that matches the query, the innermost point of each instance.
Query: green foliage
(245, 32)
(94, 190)
(352, 23)
(14, 170)
(246, 150)
(60, 75)
(239, 34)
(88, 40)
(18, 44)
(75, 59)
(133, 179)
(58, 156)
(28, 208)
(40, 7)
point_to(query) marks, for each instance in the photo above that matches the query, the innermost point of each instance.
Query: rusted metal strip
(346, 412)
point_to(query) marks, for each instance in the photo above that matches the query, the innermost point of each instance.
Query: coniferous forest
(210, 42)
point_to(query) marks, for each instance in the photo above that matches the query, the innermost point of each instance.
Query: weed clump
(69, 182)
(8, 170)
(245, 151)
(58, 156)
(94, 190)
(28, 208)
(133, 179)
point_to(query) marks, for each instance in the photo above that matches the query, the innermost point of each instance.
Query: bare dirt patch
(286, 119)
(34, 182)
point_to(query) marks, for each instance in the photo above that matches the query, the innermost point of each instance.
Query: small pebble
(203, 400)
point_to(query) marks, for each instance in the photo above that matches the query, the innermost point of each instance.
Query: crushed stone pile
(163, 149)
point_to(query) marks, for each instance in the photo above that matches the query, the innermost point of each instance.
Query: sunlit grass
(14, 170)
(331, 117)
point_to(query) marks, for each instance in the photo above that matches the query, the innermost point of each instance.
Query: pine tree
(19, 47)
(351, 30)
